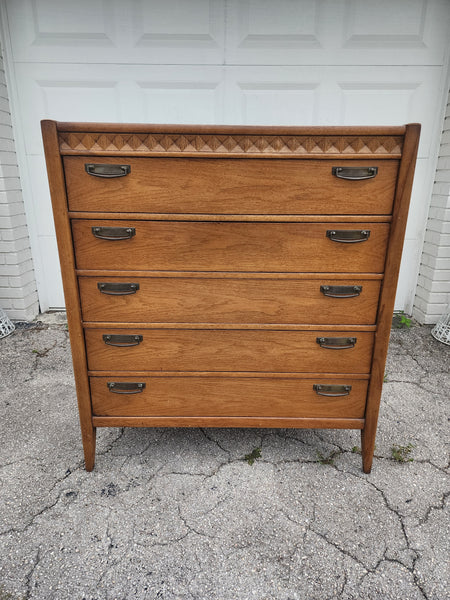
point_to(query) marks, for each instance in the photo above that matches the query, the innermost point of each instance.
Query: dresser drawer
(230, 300)
(227, 396)
(230, 186)
(228, 350)
(226, 246)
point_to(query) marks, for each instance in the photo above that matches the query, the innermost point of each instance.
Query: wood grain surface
(259, 422)
(228, 396)
(387, 297)
(222, 246)
(228, 350)
(228, 300)
(67, 260)
(230, 186)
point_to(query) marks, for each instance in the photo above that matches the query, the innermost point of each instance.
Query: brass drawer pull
(336, 343)
(125, 387)
(113, 233)
(348, 236)
(354, 173)
(333, 391)
(107, 171)
(122, 341)
(341, 291)
(118, 289)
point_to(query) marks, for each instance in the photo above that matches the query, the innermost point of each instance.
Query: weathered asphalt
(180, 514)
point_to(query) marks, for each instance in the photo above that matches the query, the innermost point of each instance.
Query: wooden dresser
(222, 276)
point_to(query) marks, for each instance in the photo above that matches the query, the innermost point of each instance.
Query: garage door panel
(278, 103)
(66, 93)
(263, 24)
(49, 277)
(383, 23)
(343, 32)
(258, 31)
(188, 95)
(40, 29)
(160, 30)
(117, 31)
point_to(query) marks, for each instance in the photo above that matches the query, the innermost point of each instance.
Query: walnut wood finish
(267, 218)
(225, 141)
(67, 260)
(228, 350)
(248, 422)
(387, 299)
(228, 396)
(205, 246)
(229, 186)
(214, 299)
(229, 255)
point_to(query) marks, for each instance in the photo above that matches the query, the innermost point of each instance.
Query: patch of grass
(385, 378)
(356, 450)
(401, 453)
(254, 454)
(401, 321)
(328, 460)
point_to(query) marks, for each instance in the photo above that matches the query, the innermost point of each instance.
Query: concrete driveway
(181, 514)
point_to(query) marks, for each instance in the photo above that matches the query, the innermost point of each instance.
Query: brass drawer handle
(122, 341)
(354, 173)
(113, 233)
(107, 171)
(341, 291)
(336, 343)
(125, 387)
(332, 391)
(118, 289)
(348, 236)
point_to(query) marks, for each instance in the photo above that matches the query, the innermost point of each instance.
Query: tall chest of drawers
(221, 276)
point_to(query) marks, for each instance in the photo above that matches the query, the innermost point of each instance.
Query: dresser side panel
(389, 286)
(70, 284)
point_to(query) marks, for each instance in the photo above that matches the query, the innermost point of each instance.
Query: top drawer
(231, 186)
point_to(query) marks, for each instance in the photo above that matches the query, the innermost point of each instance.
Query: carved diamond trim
(206, 144)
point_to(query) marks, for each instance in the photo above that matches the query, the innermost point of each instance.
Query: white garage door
(299, 62)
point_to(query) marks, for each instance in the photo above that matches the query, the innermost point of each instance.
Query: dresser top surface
(229, 141)
(228, 129)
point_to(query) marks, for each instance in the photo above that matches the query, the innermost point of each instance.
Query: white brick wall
(18, 295)
(433, 289)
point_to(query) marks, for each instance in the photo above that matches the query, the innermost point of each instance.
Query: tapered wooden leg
(367, 446)
(88, 434)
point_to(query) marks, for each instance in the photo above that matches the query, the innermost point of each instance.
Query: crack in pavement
(301, 544)
(109, 539)
(192, 529)
(38, 354)
(33, 518)
(211, 439)
(414, 551)
(47, 507)
(340, 549)
(19, 460)
(434, 507)
(29, 576)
